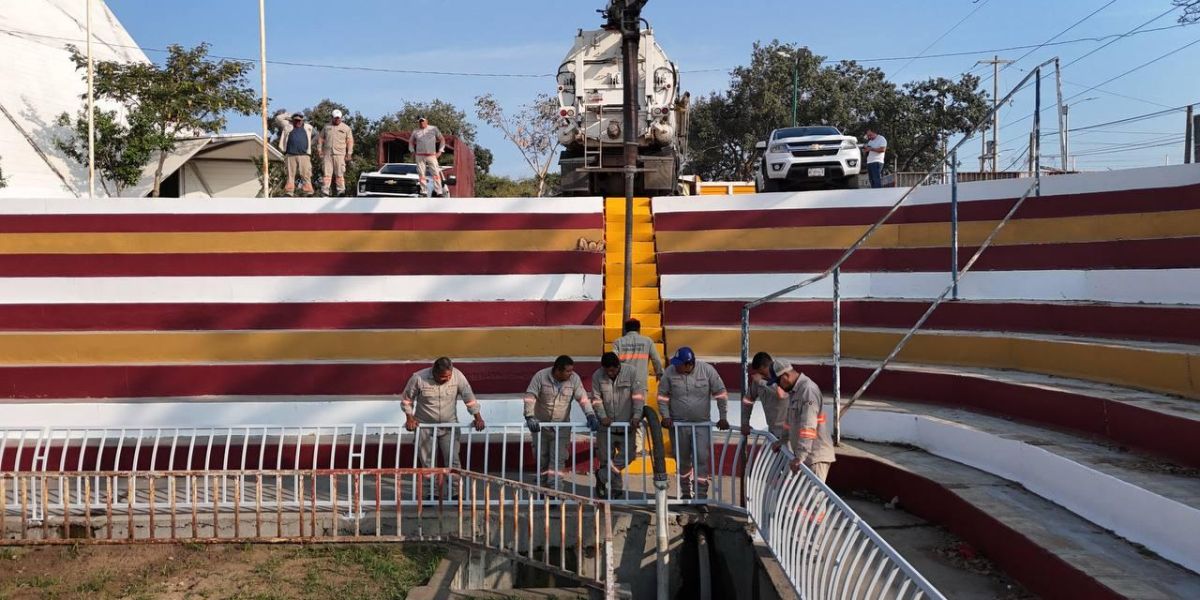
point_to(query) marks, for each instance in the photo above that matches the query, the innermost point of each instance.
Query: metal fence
(826, 550)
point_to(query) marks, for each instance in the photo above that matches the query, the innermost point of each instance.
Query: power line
(1072, 26)
(943, 36)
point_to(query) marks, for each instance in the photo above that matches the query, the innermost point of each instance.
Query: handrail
(835, 268)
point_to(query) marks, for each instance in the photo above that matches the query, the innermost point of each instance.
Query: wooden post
(1189, 136)
(262, 66)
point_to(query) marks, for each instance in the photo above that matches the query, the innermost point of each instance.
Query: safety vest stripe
(634, 356)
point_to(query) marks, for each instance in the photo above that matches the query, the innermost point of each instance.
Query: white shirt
(878, 142)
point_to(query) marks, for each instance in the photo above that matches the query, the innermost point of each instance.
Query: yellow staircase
(646, 303)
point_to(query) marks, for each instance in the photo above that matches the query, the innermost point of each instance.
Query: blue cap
(683, 356)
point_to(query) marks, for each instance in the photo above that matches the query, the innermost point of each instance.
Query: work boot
(601, 487)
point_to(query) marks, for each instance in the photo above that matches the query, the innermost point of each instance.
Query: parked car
(397, 180)
(795, 157)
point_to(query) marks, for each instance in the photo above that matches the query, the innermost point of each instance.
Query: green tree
(1191, 10)
(187, 95)
(122, 149)
(499, 186)
(532, 129)
(3, 181)
(725, 126)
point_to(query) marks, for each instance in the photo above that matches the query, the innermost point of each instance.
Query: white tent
(41, 82)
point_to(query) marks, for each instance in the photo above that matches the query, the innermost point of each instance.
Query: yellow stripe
(293, 346)
(924, 235)
(293, 241)
(1173, 371)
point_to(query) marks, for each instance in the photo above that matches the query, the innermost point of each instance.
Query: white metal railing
(824, 547)
(358, 474)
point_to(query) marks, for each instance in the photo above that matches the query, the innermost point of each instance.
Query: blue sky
(705, 38)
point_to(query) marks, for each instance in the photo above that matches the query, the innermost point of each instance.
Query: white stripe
(1155, 286)
(400, 288)
(246, 206)
(1151, 179)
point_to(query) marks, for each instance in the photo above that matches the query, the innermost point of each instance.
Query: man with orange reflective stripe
(806, 430)
(616, 396)
(688, 388)
(762, 390)
(430, 398)
(638, 351)
(548, 398)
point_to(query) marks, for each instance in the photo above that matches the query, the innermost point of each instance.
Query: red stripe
(1040, 571)
(1168, 253)
(300, 263)
(339, 379)
(321, 315)
(1069, 205)
(1135, 426)
(140, 223)
(1128, 321)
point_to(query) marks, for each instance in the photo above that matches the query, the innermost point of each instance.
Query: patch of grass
(10, 554)
(96, 583)
(40, 582)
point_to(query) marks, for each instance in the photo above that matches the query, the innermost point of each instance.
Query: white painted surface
(235, 206)
(397, 288)
(1163, 525)
(1081, 183)
(1155, 286)
(41, 82)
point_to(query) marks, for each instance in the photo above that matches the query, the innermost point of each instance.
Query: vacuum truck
(591, 104)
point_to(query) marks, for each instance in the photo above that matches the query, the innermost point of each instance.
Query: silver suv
(796, 156)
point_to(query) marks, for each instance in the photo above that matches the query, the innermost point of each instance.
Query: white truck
(794, 157)
(591, 117)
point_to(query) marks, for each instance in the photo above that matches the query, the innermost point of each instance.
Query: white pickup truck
(398, 180)
(798, 156)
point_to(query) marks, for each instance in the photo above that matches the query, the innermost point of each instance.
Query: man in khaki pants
(336, 146)
(427, 145)
(295, 141)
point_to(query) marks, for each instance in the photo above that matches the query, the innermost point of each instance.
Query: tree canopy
(914, 117)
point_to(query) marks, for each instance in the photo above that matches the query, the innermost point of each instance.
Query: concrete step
(522, 594)
(1051, 551)
(614, 233)
(619, 219)
(615, 304)
(1161, 367)
(647, 319)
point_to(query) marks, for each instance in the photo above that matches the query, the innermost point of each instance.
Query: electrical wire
(1055, 36)
(943, 36)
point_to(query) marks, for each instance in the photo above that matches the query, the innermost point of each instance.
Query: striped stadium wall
(154, 301)
(1097, 280)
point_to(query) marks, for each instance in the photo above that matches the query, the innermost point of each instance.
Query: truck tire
(770, 185)
(850, 183)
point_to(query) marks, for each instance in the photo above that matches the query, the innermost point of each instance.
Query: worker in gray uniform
(430, 398)
(761, 389)
(806, 430)
(638, 351)
(336, 146)
(427, 144)
(616, 397)
(686, 392)
(548, 399)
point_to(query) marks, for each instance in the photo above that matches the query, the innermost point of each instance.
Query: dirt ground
(224, 572)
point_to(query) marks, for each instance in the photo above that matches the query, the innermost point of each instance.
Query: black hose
(657, 445)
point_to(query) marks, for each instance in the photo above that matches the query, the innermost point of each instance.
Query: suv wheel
(769, 185)
(850, 183)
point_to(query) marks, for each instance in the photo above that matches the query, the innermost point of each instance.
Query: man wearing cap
(548, 398)
(805, 429)
(687, 389)
(616, 396)
(427, 145)
(430, 398)
(761, 388)
(295, 141)
(336, 145)
(638, 351)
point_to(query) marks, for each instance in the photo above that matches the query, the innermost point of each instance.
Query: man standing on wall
(876, 149)
(616, 397)
(295, 141)
(430, 398)
(687, 390)
(336, 145)
(548, 399)
(427, 144)
(806, 431)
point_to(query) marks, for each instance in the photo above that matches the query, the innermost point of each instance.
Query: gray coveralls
(549, 400)
(639, 352)
(431, 402)
(621, 400)
(687, 398)
(805, 428)
(774, 407)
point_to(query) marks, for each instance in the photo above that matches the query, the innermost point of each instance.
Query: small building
(221, 166)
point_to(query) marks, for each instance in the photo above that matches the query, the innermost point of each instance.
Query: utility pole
(1195, 139)
(262, 66)
(995, 61)
(1189, 136)
(1066, 139)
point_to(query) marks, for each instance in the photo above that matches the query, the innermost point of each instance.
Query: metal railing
(380, 482)
(823, 546)
(834, 270)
